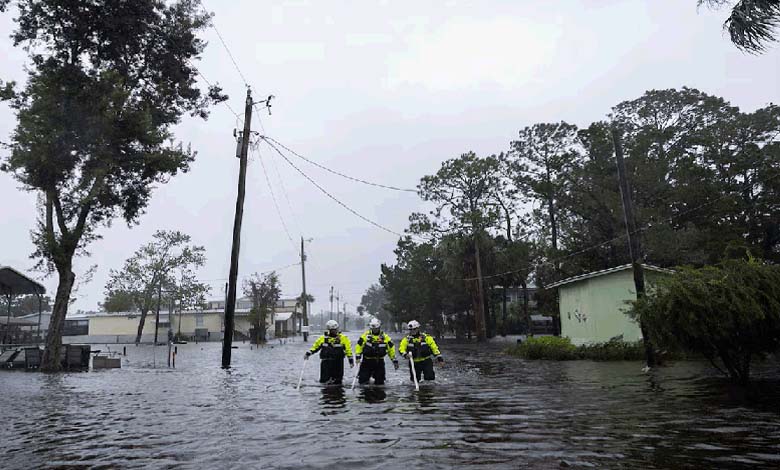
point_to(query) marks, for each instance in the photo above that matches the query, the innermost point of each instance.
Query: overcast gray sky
(386, 91)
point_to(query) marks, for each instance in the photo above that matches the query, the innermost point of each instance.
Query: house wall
(123, 325)
(189, 322)
(593, 310)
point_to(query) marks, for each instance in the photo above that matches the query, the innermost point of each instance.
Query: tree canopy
(264, 290)
(751, 24)
(106, 83)
(704, 176)
(728, 312)
(160, 272)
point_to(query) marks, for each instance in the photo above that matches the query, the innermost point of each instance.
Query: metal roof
(15, 283)
(582, 277)
(17, 321)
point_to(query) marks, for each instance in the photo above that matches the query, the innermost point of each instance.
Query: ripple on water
(485, 410)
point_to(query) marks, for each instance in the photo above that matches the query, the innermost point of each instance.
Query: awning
(283, 316)
(12, 282)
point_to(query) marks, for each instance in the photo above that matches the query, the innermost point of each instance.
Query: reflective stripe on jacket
(373, 346)
(421, 347)
(332, 347)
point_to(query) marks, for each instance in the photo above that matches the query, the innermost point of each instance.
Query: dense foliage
(730, 313)
(162, 272)
(705, 179)
(561, 349)
(264, 290)
(752, 23)
(107, 81)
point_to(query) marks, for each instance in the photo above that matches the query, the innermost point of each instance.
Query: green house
(593, 305)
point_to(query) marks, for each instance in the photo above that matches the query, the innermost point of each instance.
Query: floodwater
(485, 410)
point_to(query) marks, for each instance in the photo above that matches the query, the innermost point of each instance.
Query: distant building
(593, 305)
(205, 324)
(516, 294)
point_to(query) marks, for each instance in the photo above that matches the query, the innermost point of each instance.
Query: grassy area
(561, 349)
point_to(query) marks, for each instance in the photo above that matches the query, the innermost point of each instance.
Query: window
(198, 320)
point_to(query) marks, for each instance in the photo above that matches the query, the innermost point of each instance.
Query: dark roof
(15, 283)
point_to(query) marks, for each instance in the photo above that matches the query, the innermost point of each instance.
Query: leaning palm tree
(752, 23)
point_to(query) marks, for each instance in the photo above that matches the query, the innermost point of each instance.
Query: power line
(352, 211)
(230, 54)
(284, 191)
(647, 226)
(273, 198)
(238, 117)
(247, 276)
(394, 188)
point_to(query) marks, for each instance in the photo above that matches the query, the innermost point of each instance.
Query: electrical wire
(358, 180)
(238, 117)
(273, 198)
(230, 54)
(261, 272)
(646, 227)
(337, 201)
(286, 195)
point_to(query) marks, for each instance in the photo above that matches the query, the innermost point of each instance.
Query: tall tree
(118, 301)
(752, 24)
(164, 265)
(703, 173)
(107, 81)
(543, 158)
(373, 302)
(464, 193)
(264, 290)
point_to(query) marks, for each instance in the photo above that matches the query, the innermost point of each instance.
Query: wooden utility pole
(330, 316)
(157, 316)
(230, 307)
(634, 244)
(305, 299)
(479, 313)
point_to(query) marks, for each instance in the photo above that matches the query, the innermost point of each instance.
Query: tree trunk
(141, 323)
(51, 354)
(479, 313)
(503, 309)
(263, 321)
(527, 314)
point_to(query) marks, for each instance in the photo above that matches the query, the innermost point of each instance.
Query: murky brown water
(485, 410)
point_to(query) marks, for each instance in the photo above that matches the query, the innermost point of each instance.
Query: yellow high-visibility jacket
(372, 346)
(332, 347)
(422, 347)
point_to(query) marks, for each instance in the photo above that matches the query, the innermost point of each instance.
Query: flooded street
(485, 410)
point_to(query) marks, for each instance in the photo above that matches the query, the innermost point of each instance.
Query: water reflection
(372, 394)
(484, 410)
(333, 396)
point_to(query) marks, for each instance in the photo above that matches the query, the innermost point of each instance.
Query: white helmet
(414, 324)
(332, 325)
(374, 323)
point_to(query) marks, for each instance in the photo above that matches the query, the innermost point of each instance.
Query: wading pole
(300, 379)
(414, 374)
(357, 372)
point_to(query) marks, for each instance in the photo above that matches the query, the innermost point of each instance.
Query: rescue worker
(332, 346)
(372, 347)
(421, 348)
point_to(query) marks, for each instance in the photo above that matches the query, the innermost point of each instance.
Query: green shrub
(729, 313)
(560, 349)
(612, 351)
(545, 347)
